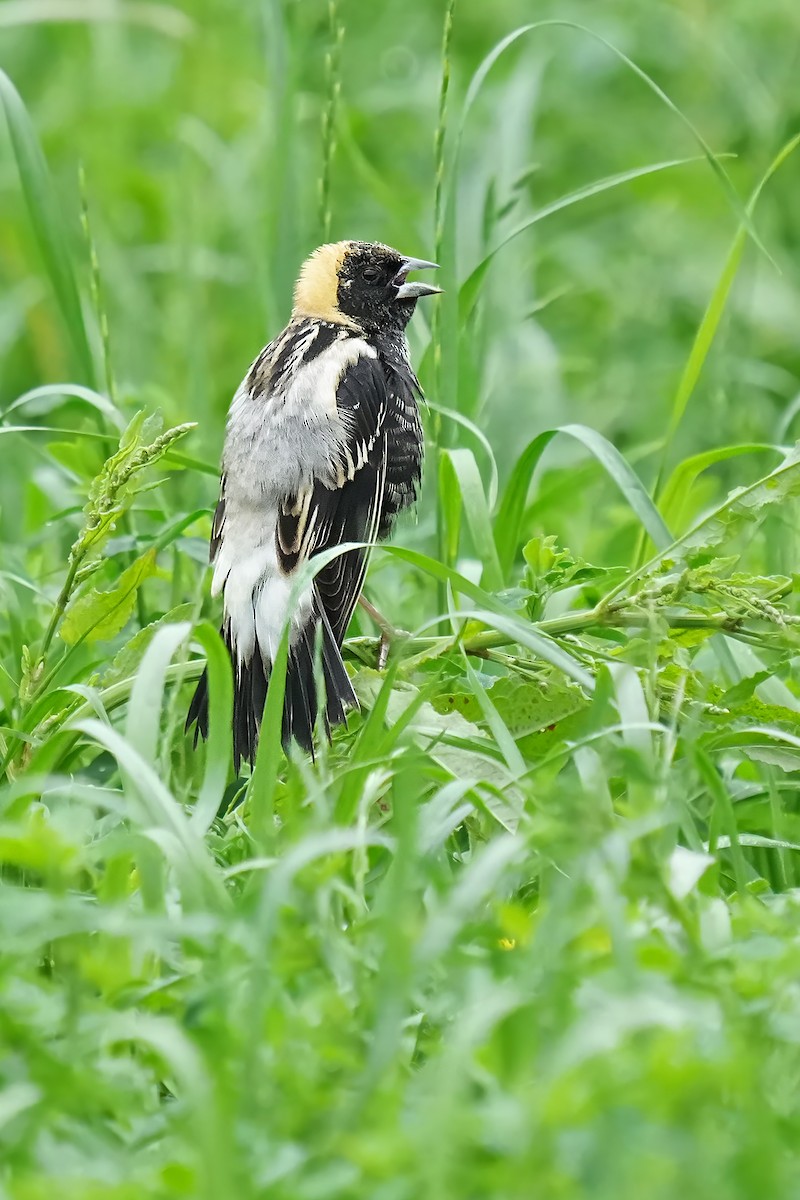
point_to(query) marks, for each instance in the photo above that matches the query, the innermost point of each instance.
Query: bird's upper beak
(412, 291)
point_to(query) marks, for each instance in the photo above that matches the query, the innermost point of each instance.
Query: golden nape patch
(316, 288)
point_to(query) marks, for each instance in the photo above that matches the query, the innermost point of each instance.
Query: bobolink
(323, 446)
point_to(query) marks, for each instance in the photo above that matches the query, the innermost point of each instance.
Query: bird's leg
(388, 632)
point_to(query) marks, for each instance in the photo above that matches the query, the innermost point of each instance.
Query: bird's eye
(371, 274)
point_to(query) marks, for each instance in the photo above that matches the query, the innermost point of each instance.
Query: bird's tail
(300, 703)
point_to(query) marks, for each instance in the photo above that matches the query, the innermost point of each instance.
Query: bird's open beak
(412, 291)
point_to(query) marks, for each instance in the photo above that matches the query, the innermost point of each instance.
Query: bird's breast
(288, 432)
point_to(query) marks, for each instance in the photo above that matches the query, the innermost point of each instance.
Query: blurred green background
(584, 1000)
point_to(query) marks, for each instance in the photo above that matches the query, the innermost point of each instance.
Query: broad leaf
(99, 616)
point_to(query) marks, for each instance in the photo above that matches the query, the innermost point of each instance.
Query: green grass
(528, 927)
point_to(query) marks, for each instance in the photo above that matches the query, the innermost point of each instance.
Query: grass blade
(467, 478)
(716, 306)
(508, 522)
(40, 199)
(470, 288)
(677, 488)
(144, 709)
(713, 159)
(459, 419)
(625, 478)
(157, 807)
(218, 745)
(491, 610)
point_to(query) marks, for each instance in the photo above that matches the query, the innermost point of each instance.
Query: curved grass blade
(110, 438)
(155, 806)
(470, 288)
(45, 217)
(508, 522)
(144, 708)
(459, 419)
(716, 306)
(479, 78)
(677, 488)
(470, 485)
(492, 611)
(625, 478)
(61, 391)
(500, 731)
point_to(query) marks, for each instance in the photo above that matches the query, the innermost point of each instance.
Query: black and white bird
(323, 446)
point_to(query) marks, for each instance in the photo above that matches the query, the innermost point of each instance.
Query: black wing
(404, 440)
(348, 507)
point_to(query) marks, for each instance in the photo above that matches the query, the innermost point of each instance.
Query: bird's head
(362, 284)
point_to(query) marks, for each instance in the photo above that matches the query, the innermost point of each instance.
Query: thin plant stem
(333, 88)
(439, 218)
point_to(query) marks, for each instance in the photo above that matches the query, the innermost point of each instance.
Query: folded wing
(347, 506)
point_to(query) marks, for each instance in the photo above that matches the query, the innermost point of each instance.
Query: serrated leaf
(751, 709)
(744, 505)
(525, 706)
(98, 616)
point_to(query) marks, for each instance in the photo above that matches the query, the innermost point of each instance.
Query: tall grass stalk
(333, 87)
(96, 288)
(443, 394)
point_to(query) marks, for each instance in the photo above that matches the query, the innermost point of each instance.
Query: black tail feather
(249, 696)
(300, 698)
(198, 709)
(301, 703)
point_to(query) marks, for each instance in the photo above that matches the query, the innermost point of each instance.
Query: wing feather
(322, 516)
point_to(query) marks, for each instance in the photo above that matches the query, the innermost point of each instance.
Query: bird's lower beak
(413, 291)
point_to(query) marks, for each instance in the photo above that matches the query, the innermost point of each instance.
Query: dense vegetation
(529, 926)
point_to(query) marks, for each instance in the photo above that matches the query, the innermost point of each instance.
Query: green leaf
(459, 419)
(126, 660)
(716, 306)
(470, 485)
(143, 723)
(497, 725)
(708, 154)
(98, 616)
(154, 808)
(508, 522)
(449, 510)
(53, 396)
(45, 217)
(469, 290)
(625, 478)
(676, 491)
(743, 506)
(492, 612)
(526, 706)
